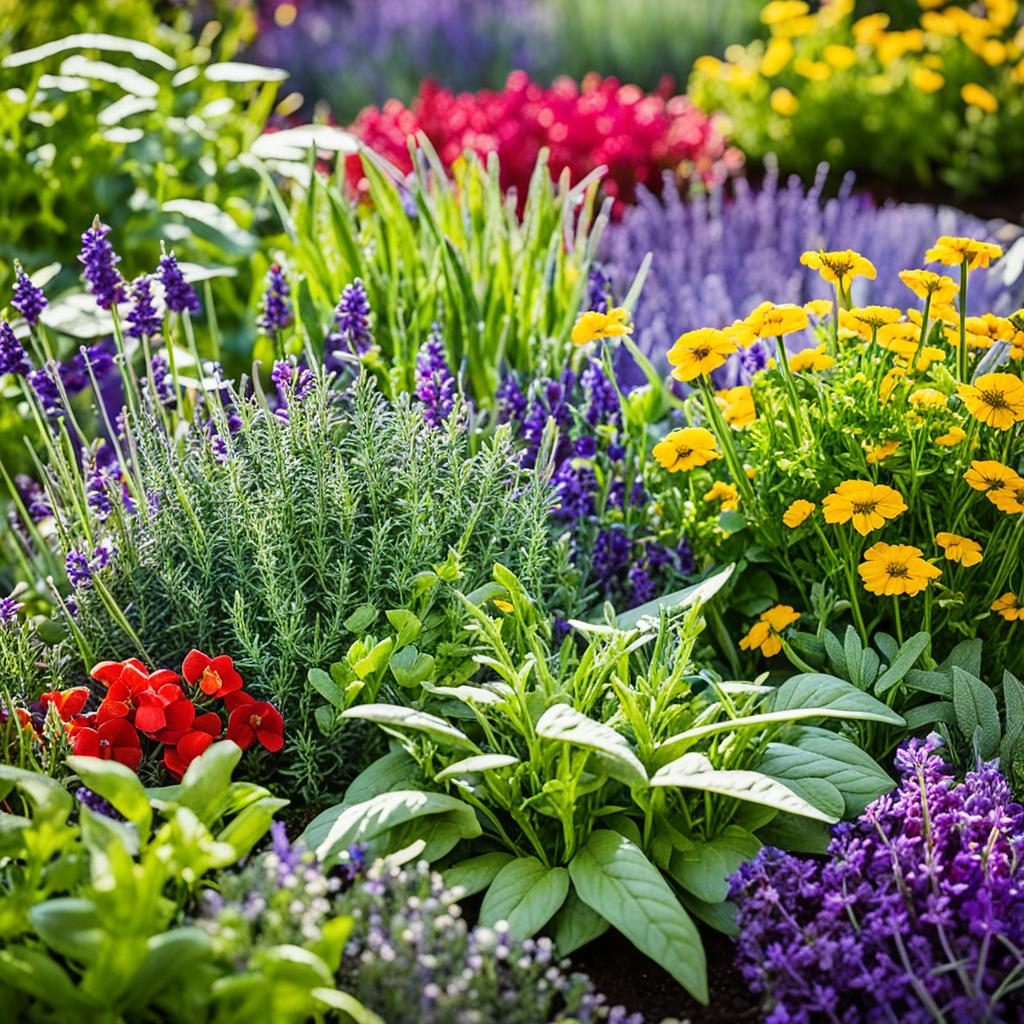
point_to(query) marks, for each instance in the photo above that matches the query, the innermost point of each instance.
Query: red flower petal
(209, 723)
(192, 745)
(193, 666)
(273, 741)
(229, 677)
(237, 699)
(161, 677)
(150, 717)
(86, 743)
(107, 671)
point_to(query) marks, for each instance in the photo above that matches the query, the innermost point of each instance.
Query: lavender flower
(33, 497)
(81, 568)
(179, 295)
(598, 287)
(292, 383)
(435, 384)
(12, 353)
(720, 255)
(87, 798)
(916, 916)
(74, 374)
(351, 332)
(276, 306)
(9, 608)
(602, 398)
(100, 262)
(143, 319)
(28, 299)
(45, 387)
(163, 382)
(511, 402)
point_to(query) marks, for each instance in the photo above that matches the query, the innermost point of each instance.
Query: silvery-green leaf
(477, 763)
(565, 724)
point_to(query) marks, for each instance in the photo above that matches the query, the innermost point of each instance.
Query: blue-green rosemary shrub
(280, 531)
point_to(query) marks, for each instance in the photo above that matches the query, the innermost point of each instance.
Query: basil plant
(608, 784)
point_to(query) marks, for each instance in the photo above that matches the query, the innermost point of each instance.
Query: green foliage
(604, 784)
(91, 909)
(504, 287)
(290, 545)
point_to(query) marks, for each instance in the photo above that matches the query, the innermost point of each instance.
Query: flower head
(893, 569)
(28, 299)
(975, 95)
(100, 262)
(686, 448)
(769, 320)
(764, 634)
(868, 505)
(216, 677)
(351, 332)
(959, 549)
(253, 720)
(997, 399)
(1009, 498)
(925, 283)
(435, 383)
(840, 267)
(865, 320)
(797, 512)
(928, 398)
(12, 353)
(881, 452)
(114, 740)
(143, 319)
(813, 359)
(276, 311)
(1009, 606)
(726, 493)
(951, 437)
(984, 475)
(737, 405)
(954, 251)
(179, 295)
(593, 326)
(699, 352)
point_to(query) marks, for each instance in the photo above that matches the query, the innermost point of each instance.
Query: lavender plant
(720, 254)
(916, 915)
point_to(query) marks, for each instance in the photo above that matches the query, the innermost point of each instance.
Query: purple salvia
(276, 308)
(28, 299)
(76, 565)
(163, 382)
(143, 319)
(510, 400)
(351, 332)
(12, 353)
(74, 374)
(46, 390)
(602, 398)
(100, 261)
(435, 383)
(598, 287)
(179, 295)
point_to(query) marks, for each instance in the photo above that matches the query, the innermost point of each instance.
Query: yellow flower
(686, 449)
(776, 56)
(740, 333)
(503, 606)
(997, 399)
(737, 405)
(975, 95)
(1010, 606)
(925, 357)
(865, 320)
(927, 80)
(708, 65)
(923, 283)
(797, 513)
(868, 505)
(882, 452)
(812, 70)
(929, 398)
(771, 321)
(699, 352)
(959, 549)
(810, 359)
(1010, 497)
(726, 493)
(985, 475)
(892, 569)
(820, 308)
(839, 267)
(901, 338)
(869, 29)
(952, 436)
(784, 103)
(591, 326)
(778, 11)
(953, 251)
(764, 634)
(984, 331)
(840, 57)
(889, 382)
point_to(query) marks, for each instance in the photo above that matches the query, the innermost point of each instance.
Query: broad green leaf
(976, 712)
(326, 687)
(575, 925)
(50, 801)
(904, 661)
(614, 878)
(476, 763)
(395, 770)
(474, 875)
(411, 668)
(214, 225)
(687, 597)
(564, 724)
(38, 974)
(467, 694)
(169, 955)
(347, 1004)
(128, 79)
(393, 717)
(526, 894)
(938, 683)
(796, 833)
(705, 869)
(206, 780)
(71, 927)
(695, 771)
(247, 828)
(720, 916)
(930, 714)
(1013, 698)
(832, 698)
(363, 617)
(295, 143)
(966, 655)
(337, 828)
(824, 755)
(406, 625)
(117, 784)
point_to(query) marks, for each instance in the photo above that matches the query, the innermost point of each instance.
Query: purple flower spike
(179, 295)
(9, 608)
(162, 381)
(435, 383)
(277, 308)
(27, 299)
(351, 332)
(143, 319)
(12, 353)
(100, 262)
(46, 390)
(598, 286)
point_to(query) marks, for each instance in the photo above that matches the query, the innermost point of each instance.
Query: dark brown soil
(630, 979)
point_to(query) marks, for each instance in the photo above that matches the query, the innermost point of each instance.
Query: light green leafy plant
(605, 787)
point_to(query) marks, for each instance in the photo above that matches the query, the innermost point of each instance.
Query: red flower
(256, 720)
(205, 729)
(132, 691)
(214, 676)
(115, 740)
(176, 711)
(67, 702)
(131, 672)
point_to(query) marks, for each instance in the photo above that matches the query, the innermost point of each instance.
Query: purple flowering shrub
(916, 915)
(719, 254)
(413, 957)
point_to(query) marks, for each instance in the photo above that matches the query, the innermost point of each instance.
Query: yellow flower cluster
(765, 634)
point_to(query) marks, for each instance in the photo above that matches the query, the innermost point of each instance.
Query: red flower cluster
(636, 135)
(139, 703)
